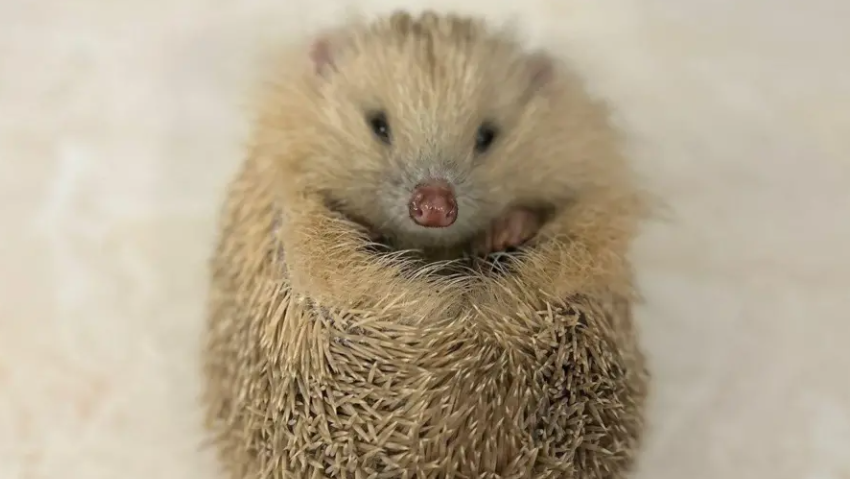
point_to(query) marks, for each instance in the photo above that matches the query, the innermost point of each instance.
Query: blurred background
(120, 123)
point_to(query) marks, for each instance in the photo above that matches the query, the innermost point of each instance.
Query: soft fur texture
(437, 77)
(327, 360)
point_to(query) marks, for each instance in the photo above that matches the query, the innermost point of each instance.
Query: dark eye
(484, 137)
(378, 122)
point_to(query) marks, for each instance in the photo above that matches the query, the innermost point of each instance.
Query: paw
(511, 230)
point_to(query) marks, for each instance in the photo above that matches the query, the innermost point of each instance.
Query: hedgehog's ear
(541, 70)
(322, 55)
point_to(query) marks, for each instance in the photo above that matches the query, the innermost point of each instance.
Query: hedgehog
(439, 134)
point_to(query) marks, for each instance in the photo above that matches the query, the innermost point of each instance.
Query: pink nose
(433, 205)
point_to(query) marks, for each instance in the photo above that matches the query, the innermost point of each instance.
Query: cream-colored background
(120, 122)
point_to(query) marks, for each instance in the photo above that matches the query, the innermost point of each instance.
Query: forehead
(432, 71)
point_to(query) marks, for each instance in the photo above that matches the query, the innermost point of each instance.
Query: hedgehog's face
(435, 142)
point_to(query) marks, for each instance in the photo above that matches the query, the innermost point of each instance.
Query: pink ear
(541, 69)
(322, 54)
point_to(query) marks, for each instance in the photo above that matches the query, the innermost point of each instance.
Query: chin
(436, 238)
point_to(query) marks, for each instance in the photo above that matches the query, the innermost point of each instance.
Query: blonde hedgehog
(338, 347)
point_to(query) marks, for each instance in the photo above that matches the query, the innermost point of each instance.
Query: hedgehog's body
(328, 360)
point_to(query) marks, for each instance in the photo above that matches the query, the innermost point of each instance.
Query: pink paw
(511, 230)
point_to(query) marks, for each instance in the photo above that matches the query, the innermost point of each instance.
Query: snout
(433, 204)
